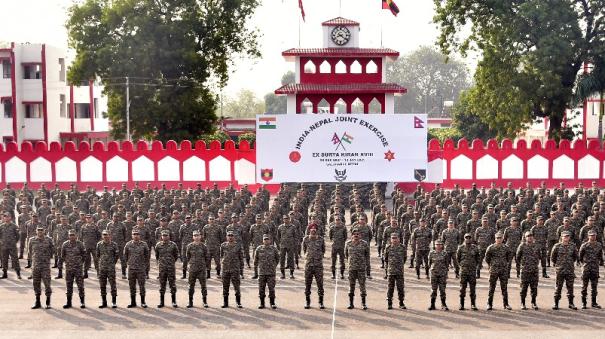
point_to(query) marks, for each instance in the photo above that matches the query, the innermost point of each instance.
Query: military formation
(191, 233)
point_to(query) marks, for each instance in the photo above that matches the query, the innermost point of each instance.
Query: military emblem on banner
(420, 175)
(266, 174)
(340, 176)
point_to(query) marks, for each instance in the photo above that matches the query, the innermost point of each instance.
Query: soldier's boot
(143, 304)
(584, 303)
(321, 302)
(123, 272)
(333, 274)
(37, 304)
(262, 303)
(389, 304)
(18, 273)
(308, 302)
(103, 301)
(48, 302)
(82, 304)
(478, 273)
(533, 303)
(4, 274)
(523, 307)
(218, 273)
(190, 304)
(248, 262)
(594, 304)
(184, 273)
(490, 303)
(351, 306)
(55, 264)
(556, 305)
(255, 276)
(544, 274)
(571, 305)
(518, 274)
(432, 307)
(205, 301)
(363, 302)
(272, 303)
(461, 308)
(418, 272)
(342, 273)
(426, 272)
(473, 303)
(161, 304)
(85, 274)
(29, 263)
(225, 301)
(296, 260)
(283, 273)
(444, 305)
(401, 304)
(381, 262)
(505, 302)
(207, 274)
(133, 301)
(113, 301)
(173, 298)
(68, 303)
(60, 274)
(238, 300)
(291, 273)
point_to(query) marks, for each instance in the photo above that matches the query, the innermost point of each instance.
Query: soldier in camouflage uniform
(31, 228)
(166, 254)
(213, 238)
(314, 247)
(469, 259)
(186, 235)
(365, 233)
(60, 235)
(439, 268)
(72, 254)
(90, 236)
(528, 255)
(197, 257)
(232, 261)
(257, 231)
(357, 253)
(591, 256)
(395, 256)
(540, 233)
(118, 234)
(498, 257)
(266, 258)
(421, 240)
(338, 235)
(39, 250)
(108, 254)
(136, 253)
(9, 236)
(287, 233)
(451, 239)
(484, 236)
(563, 256)
(512, 238)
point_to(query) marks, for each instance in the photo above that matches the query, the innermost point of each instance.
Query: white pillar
(389, 103)
(291, 104)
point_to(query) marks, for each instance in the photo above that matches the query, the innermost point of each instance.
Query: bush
(250, 137)
(443, 134)
(217, 135)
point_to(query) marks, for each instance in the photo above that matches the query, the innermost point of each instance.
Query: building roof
(340, 88)
(341, 52)
(340, 21)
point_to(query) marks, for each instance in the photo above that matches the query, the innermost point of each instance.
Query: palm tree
(590, 84)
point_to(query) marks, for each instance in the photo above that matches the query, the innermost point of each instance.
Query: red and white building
(37, 103)
(340, 77)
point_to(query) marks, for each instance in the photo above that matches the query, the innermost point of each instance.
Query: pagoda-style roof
(341, 88)
(341, 52)
(340, 21)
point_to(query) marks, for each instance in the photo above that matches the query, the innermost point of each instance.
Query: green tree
(593, 83)
(275, 104)
(244, 105)
(467, 122)
(532, 51)
(430, 80)
(172, 51)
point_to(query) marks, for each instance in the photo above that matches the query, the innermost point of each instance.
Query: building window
(82, 111)
(31, 71)
(61, 69)
(96, 107)
(8, 109)
(6, 69)
(33, 111)
(63, 106)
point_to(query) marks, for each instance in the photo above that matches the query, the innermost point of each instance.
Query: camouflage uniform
(338, 235)
(90, 236)
(266, 258)
(469, 259)
(60, 235)
(119, 236)
(451, 240)
(137, 255)
(512, 239)
(40, 251)
(528, 256)
(108, 254)
(73, 254)
(498, 257)
(395, 257)
(591, 256)
(365, 234)
(358, 256)
(421, 240)
(286, 238)
(213, 238)
(166, 254)
(314, 250)
(232, 262)
(439, 268)
(541, 239)
(186, 236)
(256, 237)
(483, 238)
(9, 236)
(197, 257)
(563, 258)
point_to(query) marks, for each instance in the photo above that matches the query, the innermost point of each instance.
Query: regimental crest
(340, 175)
(420, 175)
(266, 174)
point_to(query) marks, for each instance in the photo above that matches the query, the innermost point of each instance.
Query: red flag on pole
(390, 5)
(302, 9)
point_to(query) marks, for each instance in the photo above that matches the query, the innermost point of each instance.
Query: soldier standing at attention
(528, 256)
(498, 257)
(266, 258)
(166, 254)
(451, 239)
(136, 253)
(365, 234)
(357, 253)
(108, 253)
(563, 256)
(90, 236)
(39, 251)
(257, 232)
(421, 241)
(286, 238)
(72, 254)
(338, 235)
(186, 234)
(512, 238)
(469, 259)
(484, 236)
(9, 236)
(60, 235)
(118, 234)
(32, 226)
(314, 247)
(395, 255)
(591, 256)
(232, 261)
(197, 257)
(213, 237)
(540, 233)
(439, 269)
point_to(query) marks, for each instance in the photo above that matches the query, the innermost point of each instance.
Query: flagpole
(299, 31)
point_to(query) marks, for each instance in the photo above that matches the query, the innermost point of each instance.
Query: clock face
(341, 35)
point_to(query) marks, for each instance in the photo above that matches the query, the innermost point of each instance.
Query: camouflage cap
(259, 216)
(40, 228)
(499, 235)
(71, 232)
(196, 232)
(266, 236)
(514, 219)
(140, 218)
(468, 235)
(355, 230)
(105, 232)
(34, 214)
(135, 231)
(230, 233)
(565, 234)
(166, 232)
(438, 242)
(592, 232)
(529, 234)
(164, 219)
(233, 215)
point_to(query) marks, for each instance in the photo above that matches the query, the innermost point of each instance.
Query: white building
(37, 103)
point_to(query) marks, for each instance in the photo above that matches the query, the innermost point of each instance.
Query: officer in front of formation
(166, 254)
(395, 255)
(9, 237)
(563, 256)
(40, 250)
(528, 256)
(590, 256)
(197, 256)
(438, 262)
(357, 253)
(136, 255)
(232, 262)
(469, 259)
(108, 254)
(314, 247)
(73, 254)
(266, 258)
(498, 257)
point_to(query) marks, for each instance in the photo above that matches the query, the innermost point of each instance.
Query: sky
(42, 21)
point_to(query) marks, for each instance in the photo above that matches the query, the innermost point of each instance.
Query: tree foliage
(244, 105)
(275, 104)
(430, 80)
(532, 53)
(591, 84)
(172, 50)
(468, 122)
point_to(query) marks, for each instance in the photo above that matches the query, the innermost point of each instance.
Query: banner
(341, 148)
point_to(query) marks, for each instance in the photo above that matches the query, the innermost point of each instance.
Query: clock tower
(341, 77)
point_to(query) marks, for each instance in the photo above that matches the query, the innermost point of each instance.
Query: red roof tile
(340, 21)
(345, 88)
(340, 52)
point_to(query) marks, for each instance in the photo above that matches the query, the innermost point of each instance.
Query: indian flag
(267, 123)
